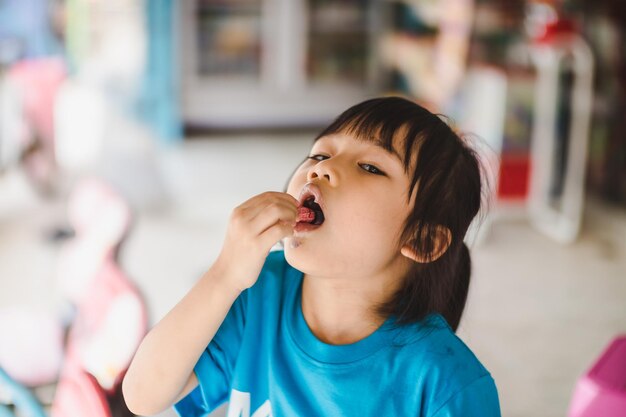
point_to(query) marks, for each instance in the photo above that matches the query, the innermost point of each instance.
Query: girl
(356, 316)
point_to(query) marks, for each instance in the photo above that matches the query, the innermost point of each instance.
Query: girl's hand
(253, 228)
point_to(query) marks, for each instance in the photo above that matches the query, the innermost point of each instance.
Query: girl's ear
(442, 242)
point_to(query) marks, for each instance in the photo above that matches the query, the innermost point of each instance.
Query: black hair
(447, 179)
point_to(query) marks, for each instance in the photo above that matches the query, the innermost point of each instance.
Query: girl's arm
(161, 372)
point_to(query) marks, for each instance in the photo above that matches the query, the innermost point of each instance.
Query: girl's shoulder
(433, 345)
(439, 365)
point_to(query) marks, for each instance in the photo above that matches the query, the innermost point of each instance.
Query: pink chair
(601, 392)
(109, 325)
(110, 318)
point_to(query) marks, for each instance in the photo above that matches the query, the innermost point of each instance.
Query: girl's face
(363, 190)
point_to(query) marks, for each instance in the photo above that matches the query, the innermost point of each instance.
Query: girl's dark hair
(446, 178)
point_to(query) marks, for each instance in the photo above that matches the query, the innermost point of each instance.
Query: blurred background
(130, 129)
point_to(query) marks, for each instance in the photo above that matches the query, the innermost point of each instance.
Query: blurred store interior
(130, 129)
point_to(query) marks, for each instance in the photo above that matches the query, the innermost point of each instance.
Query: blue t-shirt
(265, 361)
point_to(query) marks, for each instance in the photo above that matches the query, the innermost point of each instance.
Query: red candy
(305, 214)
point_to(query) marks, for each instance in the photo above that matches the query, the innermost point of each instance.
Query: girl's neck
(341, 312)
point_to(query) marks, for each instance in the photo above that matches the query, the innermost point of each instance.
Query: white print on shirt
(239, 406)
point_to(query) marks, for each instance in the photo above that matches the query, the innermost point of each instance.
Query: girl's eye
(371, 168)
(367, 167)
(317, 157)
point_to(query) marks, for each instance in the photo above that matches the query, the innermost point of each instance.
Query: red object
(514, 174)
(305, 214)
(560, 27)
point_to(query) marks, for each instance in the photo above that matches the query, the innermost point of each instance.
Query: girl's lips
(305, 227)
(309, 190)
(306, 215)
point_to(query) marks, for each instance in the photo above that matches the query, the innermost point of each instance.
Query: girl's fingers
(275, 233)
(254, 206)
(253, 228)
(260, 212)
(272, 214)
(260, 203)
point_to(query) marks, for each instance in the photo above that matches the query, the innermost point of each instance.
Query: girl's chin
(302, 252)
(292, 242)
(297, 249)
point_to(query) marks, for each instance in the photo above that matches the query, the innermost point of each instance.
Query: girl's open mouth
(310, 215)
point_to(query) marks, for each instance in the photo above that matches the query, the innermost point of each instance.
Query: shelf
(228, 7)
(275, 62)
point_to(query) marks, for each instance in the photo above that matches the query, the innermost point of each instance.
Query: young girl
(356, 317)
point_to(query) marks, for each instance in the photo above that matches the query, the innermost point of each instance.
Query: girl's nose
(320, 170)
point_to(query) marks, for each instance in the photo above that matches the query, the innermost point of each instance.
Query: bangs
(383, 122)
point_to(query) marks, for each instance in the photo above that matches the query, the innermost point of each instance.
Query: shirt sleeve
(478, 399)
(214, 369)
